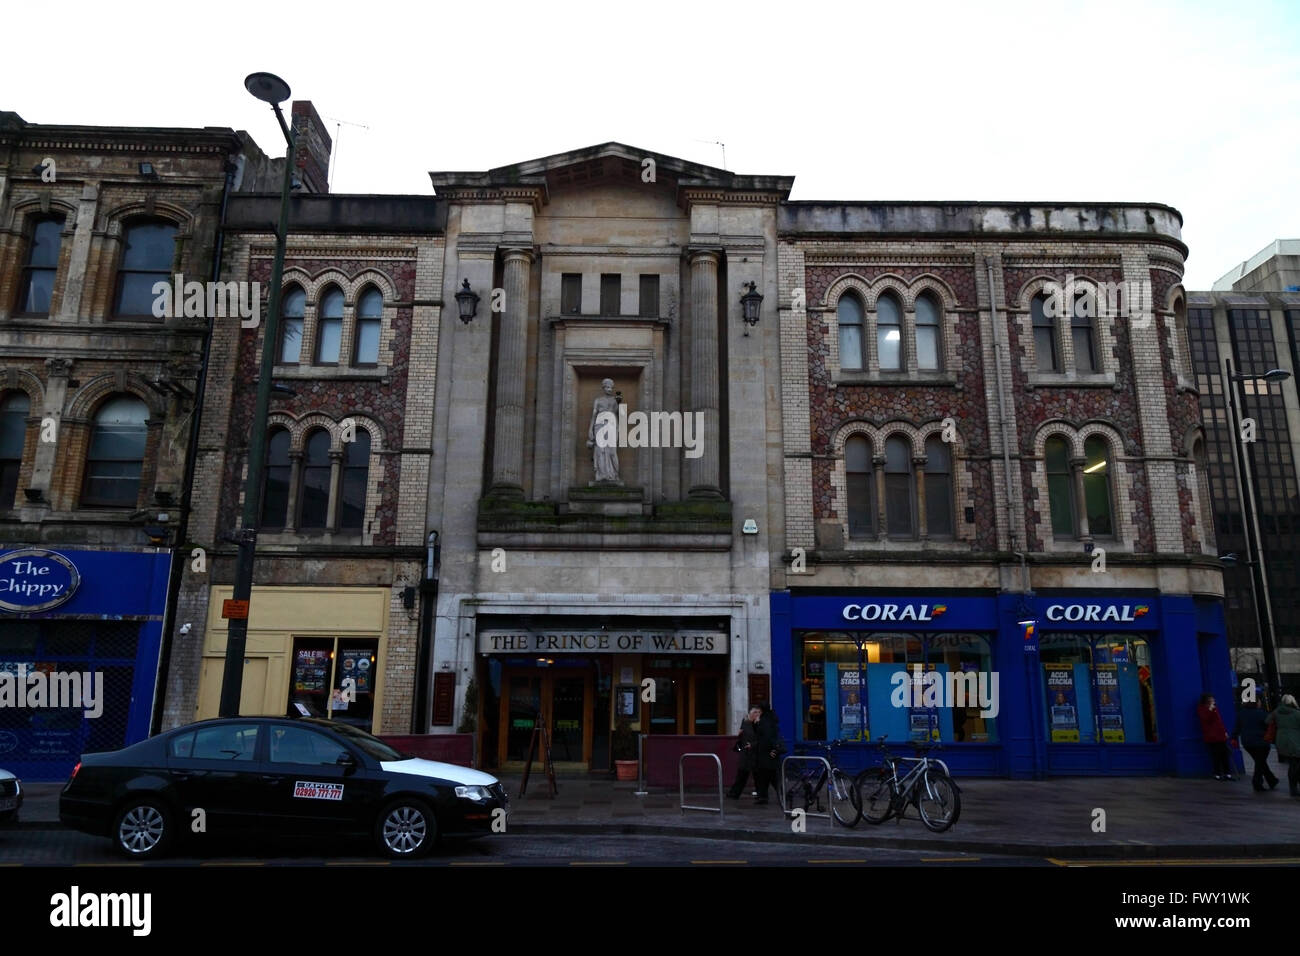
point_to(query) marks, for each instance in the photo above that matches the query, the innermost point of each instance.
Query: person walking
(1215, 736)
(766, 758)
(1249, 730)
(1287, 720)
(745, 741)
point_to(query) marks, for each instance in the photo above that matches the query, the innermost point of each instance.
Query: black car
(302, 776)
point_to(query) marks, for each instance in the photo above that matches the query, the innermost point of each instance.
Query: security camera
(1087, 547)
(185, 628)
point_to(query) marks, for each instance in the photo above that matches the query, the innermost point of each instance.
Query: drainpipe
(191, 457)
(424, 653)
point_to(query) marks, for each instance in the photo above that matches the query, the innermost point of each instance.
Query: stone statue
(605, 453)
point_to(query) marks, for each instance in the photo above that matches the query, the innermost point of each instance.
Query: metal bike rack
(640, 767)
(830, 787)
(681, 785)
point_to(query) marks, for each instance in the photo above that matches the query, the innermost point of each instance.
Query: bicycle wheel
(937, 800)
(875, 794)
(846, 805)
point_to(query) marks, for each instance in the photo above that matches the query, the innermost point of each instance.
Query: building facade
(989, 477)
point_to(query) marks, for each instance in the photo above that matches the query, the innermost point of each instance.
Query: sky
(1191, 104)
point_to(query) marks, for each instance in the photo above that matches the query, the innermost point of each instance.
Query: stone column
(704, 471)
(336, 490)
(295, 478)
(1080, 502)
(508, 439)
(918, 471)
(878, 472)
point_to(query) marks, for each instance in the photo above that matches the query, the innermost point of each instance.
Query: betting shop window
(334, 678)
(947, 692)
(1097, 688)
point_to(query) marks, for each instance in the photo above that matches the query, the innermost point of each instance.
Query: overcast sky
(1192, 104)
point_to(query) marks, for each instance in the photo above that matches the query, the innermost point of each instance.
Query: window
(315, 480)
(356, 471)
(571, 293)
(1081, 335)
(860, 487)
(302, 746)
(275, 498)
(611, 294)
(148, 251)
(1060, 486)
(889, 332)
(938, 488)
(848, 316)
(37, 288)
(1096, 487)
(370, 315)
(649, 304)
(115, 457)
(329, 332)
(927, 333)
(14, 409)
(900, 489)
(1201, 478)
(291, 310)
(1097, 689)
(222, 742)
(1045, 357)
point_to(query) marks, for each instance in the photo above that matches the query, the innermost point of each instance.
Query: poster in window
(1108, 705)
(355, 663)
(626, 701)
(1062, 708)
(311, 670)
(851, 709)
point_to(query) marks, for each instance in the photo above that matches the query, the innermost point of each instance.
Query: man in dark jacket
(745, 741)
(766, 759)
(1249, 729)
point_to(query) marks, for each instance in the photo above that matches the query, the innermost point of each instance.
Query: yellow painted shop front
(581, 682)
(311, 651)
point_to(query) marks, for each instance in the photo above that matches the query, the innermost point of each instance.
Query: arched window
(848, 316)
(370, 314)
(148, 248)
(315, 497)
(356, 472)
(938, 488)
(14, 409)
(37, 287)
(1096, 487)
(1081, 333)
(1060, 486)
(291, 309)
(861, 487)
(928, 337)
(900, 489)
(275, 497)
(1045, 357)
(889, 332)
(115, 456)
(329, 331)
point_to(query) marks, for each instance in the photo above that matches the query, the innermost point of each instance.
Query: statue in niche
(604, 423)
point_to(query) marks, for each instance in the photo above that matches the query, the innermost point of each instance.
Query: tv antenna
(338, 133)
(715, 142)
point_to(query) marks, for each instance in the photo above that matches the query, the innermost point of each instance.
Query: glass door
(520, 706)
(570, 729)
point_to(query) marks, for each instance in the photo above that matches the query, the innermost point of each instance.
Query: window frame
(1068, 474)
(870, 483)
(570, 293)
(1091, 481)
(7, 501)
(321, 319)
(913, 527)
(344, 469)
(933, 302)
(26, 272)
(1047, 324)
(163, 275)
(86, 500)
(947, 482)
(361, 320)
(881, 329)
(861, 357)
(300, 318)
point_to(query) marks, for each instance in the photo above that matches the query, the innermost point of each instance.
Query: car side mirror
(347, 762)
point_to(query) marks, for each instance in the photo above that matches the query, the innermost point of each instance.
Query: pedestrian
(1249, 730)
(1287, 720)
(745, 741)
(766, 758)
(1215, 736)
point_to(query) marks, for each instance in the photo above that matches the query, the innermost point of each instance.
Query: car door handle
(184, 773)
(272, 778)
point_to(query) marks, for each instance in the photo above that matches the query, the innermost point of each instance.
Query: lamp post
(270, 89)
(1250, 515)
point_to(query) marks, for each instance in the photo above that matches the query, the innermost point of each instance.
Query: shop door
(562, 699)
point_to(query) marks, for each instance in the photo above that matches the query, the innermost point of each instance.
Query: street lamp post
(1233, 402)
(270, 89)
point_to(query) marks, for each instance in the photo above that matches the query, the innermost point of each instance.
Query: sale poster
(1108, 706)
(851, 706)
(311, 670)
(1062, 707)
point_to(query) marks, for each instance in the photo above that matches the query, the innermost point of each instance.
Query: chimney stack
(312, 155)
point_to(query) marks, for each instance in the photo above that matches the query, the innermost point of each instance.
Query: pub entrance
(562, 700)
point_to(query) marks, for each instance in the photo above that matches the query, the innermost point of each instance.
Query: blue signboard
(1110, 614)
(871, 613)
(36, 580)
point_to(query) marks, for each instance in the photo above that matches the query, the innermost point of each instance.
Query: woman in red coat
(1215, 736)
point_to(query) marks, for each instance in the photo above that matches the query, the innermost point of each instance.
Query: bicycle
(809, 782)
(927, 785)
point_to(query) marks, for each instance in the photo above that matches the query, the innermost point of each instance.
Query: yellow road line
(949, 859)
(597, 863)
(838, 861)
(108, 864)
(476, 863)
(232, 863)
(719, 862)
(358, 862)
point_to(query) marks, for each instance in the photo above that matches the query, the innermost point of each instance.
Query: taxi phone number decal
(318, 791)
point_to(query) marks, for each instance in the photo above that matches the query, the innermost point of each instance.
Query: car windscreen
(371, 746)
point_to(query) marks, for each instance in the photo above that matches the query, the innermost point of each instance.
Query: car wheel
(406, 829)
(143, 829)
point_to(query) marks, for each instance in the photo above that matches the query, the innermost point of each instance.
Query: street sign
(234, 610)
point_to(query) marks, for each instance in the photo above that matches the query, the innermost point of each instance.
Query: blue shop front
(80, 636)
(1062, 683)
